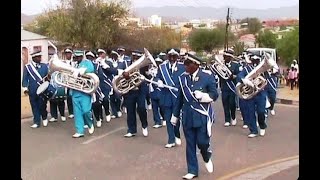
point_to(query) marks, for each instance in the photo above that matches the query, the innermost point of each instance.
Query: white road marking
(103, 135)
(268, 171)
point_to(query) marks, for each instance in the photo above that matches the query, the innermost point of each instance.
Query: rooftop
(27, 35)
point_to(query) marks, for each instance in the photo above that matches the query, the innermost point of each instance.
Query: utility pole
(227, 27)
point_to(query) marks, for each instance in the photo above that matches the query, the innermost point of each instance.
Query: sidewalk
(287, 96)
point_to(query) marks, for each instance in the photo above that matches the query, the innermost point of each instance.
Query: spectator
(292, 76)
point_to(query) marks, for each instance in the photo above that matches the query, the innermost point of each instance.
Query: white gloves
(198, 94)
(78, 72)
(203, 97)
(152, 72)
(104, 65)
(247, 82)
(274, 70)
(142, 77)
(120, 71)
(160, 84)
(174, 120)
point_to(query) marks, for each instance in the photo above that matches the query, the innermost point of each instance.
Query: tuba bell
(259, 82)
(87, 83)
(122, 85)
(220, 68)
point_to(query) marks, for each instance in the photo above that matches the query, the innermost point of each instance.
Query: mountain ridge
(186, 13)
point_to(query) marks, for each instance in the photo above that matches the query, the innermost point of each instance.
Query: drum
(46, 91)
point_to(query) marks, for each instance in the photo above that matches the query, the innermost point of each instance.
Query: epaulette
(184, 73)
(207, 71)
(235, 62)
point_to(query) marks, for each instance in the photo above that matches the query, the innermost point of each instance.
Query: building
(31, 42)
(155, 20)
(249, 40)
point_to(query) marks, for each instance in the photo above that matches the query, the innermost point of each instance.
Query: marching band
(180, 91)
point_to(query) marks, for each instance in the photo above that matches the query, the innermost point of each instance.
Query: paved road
(51, 153)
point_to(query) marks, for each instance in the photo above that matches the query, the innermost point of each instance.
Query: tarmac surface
(51, 153)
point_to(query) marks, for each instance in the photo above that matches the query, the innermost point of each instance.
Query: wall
(33, 43)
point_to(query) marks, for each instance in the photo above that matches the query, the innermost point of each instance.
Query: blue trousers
(135, 101)
(243, 104)
(39, 109)
(82, 112)
(115, 103)
(173, 131)
(196, 137)
(272, 97)
(257, 105)
(229, 105)
(156, 111)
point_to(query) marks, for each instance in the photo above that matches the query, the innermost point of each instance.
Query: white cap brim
(101, 51)
(36, 54)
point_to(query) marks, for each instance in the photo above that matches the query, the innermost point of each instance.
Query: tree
(266, 39)
(288, 46)
(207, 40)
(203, 39)
(254, 25)
(84, 23)
(238, 48)
(154, 39)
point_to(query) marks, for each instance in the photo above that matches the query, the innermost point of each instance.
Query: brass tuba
(122, 85)
(259, 82)
(220, 68)
(87, 83)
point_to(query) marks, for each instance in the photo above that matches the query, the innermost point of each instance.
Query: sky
(31, 7)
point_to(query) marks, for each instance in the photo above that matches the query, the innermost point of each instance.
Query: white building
(155, 20)
(31, 42)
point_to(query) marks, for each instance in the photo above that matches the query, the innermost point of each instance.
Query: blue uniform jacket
(272, 82)
(191, 118)
(234, 68)
(166, 97)
(31, 83)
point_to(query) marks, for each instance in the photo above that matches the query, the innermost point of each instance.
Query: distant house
(279, 23)
(249, 40)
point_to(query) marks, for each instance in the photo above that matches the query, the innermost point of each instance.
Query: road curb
(287, 101)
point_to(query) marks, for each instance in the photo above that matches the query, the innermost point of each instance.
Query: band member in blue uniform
(115, 98)
(122, 56)
(33, 75)
(197, 91)
(57, 103)
(98, 95)
(135, 101)
(228, 92)
(272, 89)
(256, 104)
(106, 73)
(69, 60)
(82, 102)
(168, 73)
(244, 103)
(155, 95)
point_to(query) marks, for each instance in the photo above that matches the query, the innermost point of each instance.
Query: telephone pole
(227, 27)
